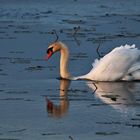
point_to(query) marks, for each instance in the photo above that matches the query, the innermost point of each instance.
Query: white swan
(122, 63)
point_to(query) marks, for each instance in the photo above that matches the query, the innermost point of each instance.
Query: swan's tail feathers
(125, 47)
(129, 46)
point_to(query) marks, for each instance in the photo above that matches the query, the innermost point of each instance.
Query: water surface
(34, 104)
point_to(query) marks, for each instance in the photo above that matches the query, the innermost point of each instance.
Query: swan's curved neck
(64, 73)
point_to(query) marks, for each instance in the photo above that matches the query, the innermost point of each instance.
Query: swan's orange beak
(49, 55)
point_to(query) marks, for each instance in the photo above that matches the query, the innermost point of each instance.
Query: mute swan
(122, 63)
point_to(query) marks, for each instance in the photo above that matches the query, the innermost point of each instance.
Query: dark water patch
(17, 92)
(51, 95)
(39, 68)
(35, 68)
(104, 6)
(17, 131)
(29, 15)
(112, 122)
(2, 32)
(138, 115)
(12, 99)
(29, 100)
(1, 90)
(135, 119)
(109, 15)
(70, 137)
(135, 18)
(16, 99)
(46, 12)
(22, 32)
(35, 15)
(3, 74)
(133, 125)
(70, 14)
(6, 21)
(50, 134)
(11, 25)
(107, 133)
(43, 32)
(70, 21)
(103, 104)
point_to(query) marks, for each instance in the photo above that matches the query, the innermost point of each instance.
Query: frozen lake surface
(34, 103)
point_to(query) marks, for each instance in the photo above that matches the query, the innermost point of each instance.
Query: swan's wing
(115, 64)
(119, 50)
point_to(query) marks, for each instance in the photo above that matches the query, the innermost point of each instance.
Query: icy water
(34, 103)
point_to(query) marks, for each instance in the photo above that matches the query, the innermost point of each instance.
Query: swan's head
(53, 48)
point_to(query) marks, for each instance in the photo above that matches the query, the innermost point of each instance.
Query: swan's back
(115, 65)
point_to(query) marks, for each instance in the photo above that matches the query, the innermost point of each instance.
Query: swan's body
(122, 63)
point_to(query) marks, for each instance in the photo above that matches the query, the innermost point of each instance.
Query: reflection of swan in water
(61, 109)
(119, 95)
